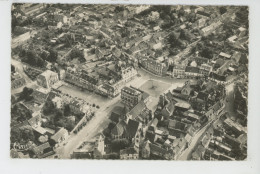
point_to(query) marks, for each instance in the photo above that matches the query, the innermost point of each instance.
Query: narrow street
(195, 140)
(228, 108)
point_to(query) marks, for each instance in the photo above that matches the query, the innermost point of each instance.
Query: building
(17, 81)
(179, 71)
(30, 9)
(60, 136)
(132, 96)
(47, 79)
(43, 150)
(129, 154)
(155, 67)
(209, 29)
(128, 74)
(205, 69)
(192, 72)
(40, 94)
(21, 39)
(81, 79)
(99, 147)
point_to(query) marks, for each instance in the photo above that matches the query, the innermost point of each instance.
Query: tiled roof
(137, 109)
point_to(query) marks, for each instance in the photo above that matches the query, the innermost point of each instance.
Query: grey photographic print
(129, 82)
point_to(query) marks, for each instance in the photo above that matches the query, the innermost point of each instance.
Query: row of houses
(110, 86)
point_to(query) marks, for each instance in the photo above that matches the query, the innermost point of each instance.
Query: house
(211, 28)
(36, 119)
(220, 79)
(47, 79)
(40, 94)
(235, 127)
(17, 81)
(224, 55)
(43, 150)
(157, 152)
(154, 66)
(21, 39)
(130, 96)
(60, 136)
(179, 71)
(205, 69)
(129, 153)
(192, 72)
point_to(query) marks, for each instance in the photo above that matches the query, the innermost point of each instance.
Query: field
(155, 88)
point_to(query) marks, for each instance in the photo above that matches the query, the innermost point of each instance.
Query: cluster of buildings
(17, 80)
(101, 52)
(107, 81)
(224, 140)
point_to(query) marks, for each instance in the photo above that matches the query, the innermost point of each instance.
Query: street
(101, 120)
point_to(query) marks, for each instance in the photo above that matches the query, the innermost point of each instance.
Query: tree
(12, 68)
(53, 55)
(66, 110)
(207, 53)
(48, 107)
(117, 145)
(26, 94)
(222, 10)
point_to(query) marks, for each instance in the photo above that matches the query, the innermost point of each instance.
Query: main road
(101, 120)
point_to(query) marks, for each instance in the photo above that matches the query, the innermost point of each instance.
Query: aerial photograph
(129, 82)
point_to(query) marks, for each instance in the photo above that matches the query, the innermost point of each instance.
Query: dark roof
(203, 96)
(132, 128)
(217, 76)
(192, 69)
(150, 136)
(119, 129)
